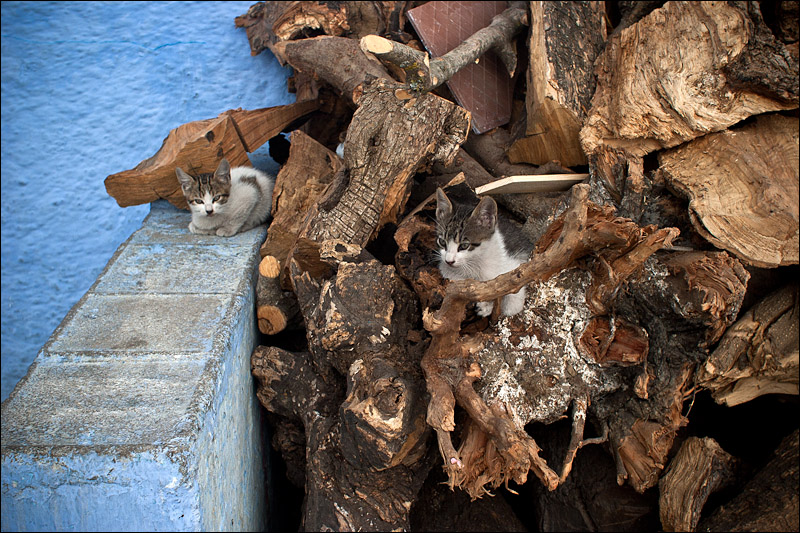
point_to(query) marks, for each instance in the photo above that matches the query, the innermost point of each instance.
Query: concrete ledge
(139, 413)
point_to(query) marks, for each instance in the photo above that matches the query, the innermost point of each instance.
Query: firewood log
(758, 354)
(670, 77)
(700, 468)
(742, 187)
(769, 501)
(565, 39)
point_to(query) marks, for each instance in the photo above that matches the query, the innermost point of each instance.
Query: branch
(424, 74)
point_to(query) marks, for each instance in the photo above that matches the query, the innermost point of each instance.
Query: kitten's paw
(513, 303)
(485, 308)
(199, 231)
(226, 232)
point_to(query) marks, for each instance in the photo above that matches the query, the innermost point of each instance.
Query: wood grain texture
(565, 40)
(742, 187)
(662, 81)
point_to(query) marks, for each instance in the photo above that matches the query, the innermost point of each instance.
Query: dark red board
(484, 89)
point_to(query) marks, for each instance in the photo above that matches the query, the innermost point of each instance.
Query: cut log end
(269, 267)
(271, 319)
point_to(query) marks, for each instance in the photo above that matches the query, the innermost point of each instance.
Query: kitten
(476, 244)
(229, 201)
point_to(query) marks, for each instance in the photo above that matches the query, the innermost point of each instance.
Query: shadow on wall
(90, 89)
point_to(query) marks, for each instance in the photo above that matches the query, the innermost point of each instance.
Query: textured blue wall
(90, 89)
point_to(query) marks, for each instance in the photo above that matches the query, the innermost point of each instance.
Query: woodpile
(666, 278)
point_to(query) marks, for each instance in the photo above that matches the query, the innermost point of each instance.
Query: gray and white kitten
(474, 243)
(229, 201)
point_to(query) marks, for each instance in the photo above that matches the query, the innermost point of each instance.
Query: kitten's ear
(443, 206)
(223, 172)
(485, 215)
(184, 178)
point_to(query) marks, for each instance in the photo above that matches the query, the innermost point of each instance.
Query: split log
(423, 74)
(742, 186)
(564, 42)
(700, 468)
(769, 501)
(692, 46)
(301, 181)
(758, 354)
(199, 146)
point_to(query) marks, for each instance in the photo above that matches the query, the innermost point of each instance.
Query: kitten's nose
(450, 262)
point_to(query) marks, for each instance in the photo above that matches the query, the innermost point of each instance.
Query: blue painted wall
(90, 89)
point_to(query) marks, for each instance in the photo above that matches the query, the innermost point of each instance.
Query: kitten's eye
(197, 201)
(440, 243)
(463, 246)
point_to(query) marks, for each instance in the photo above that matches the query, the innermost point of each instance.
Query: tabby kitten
(229, 201)
(473, 243)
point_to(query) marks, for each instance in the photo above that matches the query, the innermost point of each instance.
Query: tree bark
(370, 441)
(337, 60)
(376, 186)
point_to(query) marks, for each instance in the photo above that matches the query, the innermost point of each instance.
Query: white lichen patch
(532, 364)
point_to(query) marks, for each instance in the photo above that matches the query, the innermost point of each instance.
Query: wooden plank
(527, 184)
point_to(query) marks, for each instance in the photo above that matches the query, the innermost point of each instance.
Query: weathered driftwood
(742, 186)
(668, 78)
(199, 146)
(564, 41)
(423, 74)
(768, 502)
(700, 468)
(758, 354)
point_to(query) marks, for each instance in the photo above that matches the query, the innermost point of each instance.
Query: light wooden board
(539, 183)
